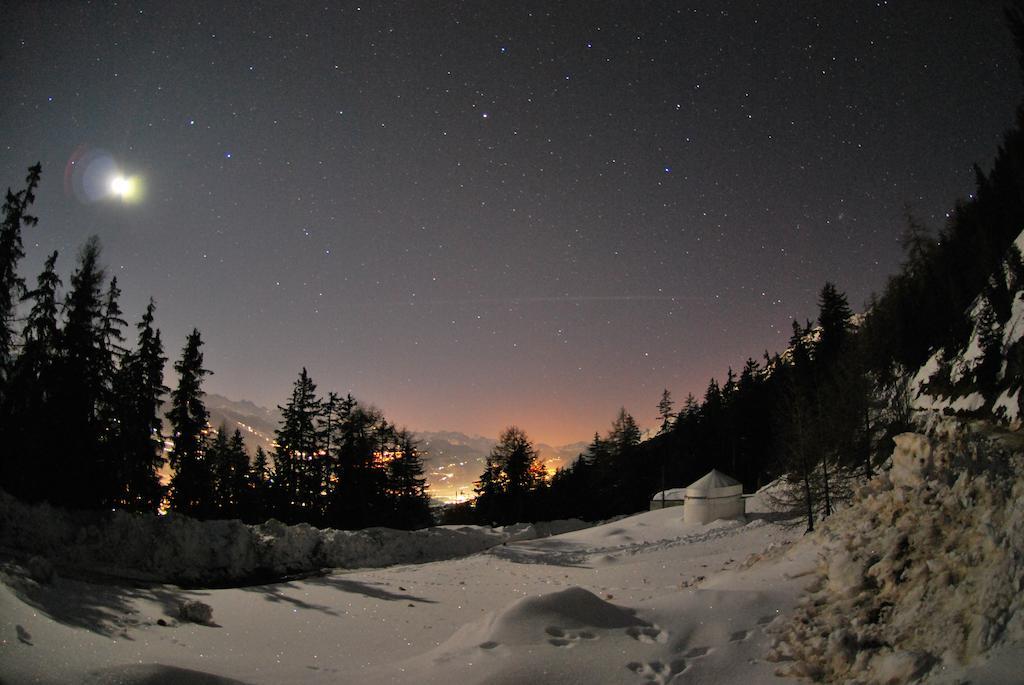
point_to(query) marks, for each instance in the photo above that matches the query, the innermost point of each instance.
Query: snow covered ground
(641, 599)
(917, 577)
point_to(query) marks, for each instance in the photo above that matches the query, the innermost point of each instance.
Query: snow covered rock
(194, 611)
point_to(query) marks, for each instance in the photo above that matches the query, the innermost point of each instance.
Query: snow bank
(924, 571)
(182, 550)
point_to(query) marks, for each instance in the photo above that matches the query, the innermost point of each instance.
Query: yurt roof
(672, 494)
(715, 484)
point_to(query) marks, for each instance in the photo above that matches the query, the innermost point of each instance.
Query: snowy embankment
(923, 574)
(184, 551)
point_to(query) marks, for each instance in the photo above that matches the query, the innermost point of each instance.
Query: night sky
(473, 214)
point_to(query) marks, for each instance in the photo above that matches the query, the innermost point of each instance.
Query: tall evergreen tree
(191, 484)
(834, 316)
(13, 216)
(298, 454)
(665, 414)
(359, 497)
(329, 422)
(41, 328)
(28, 413)
(514, 472)
(83, 466)
(257, 506)
(220, 473)
(138, 394)
(236, 476)
(110, 409)
(407, 486)
(229, 465)
(625, 434)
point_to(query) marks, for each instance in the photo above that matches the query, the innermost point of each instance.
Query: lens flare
(92, 175)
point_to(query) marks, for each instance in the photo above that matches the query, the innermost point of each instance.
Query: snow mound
(924, 570)
(573, 607)
(178, 549)
(538, 619)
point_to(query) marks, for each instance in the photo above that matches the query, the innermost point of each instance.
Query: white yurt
(668, 498)
(715, 496)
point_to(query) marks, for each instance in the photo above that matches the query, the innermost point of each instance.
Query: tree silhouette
(14, 215)
(514, 472)
(191, 485)
(298, 453)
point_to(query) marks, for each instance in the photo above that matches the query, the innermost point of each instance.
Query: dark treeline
(80, 416)
(78, 403)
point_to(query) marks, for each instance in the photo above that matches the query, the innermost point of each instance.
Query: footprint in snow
(658, 671)
(765, 620)
(739, 636)
(647, 634)
(24, 636)
(697, 652)
(490, 644)
(561, 637)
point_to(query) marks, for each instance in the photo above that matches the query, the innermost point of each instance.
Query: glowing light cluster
(125, 188)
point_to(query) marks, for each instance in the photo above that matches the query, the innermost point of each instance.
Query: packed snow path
(641, 599)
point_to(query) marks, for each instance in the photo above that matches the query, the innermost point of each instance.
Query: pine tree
(220, 472)
(257, 506)
(14, 216)
(110, 406)
(798, 425)
(191, 491)
(359, 498)
(623, 482)
(489, 490)
(82, 471)
(798, 449)
(834, 317)
(147, 457)
(596, 452)
(407, 486)
(514, 472)
(236, 476)
(665, 412)
(328, 425)
(298, 455)
(28, 426)
(229, 465)
(625, 434)
(41, 329)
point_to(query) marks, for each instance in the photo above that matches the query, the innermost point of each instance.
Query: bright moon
(124, 187)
